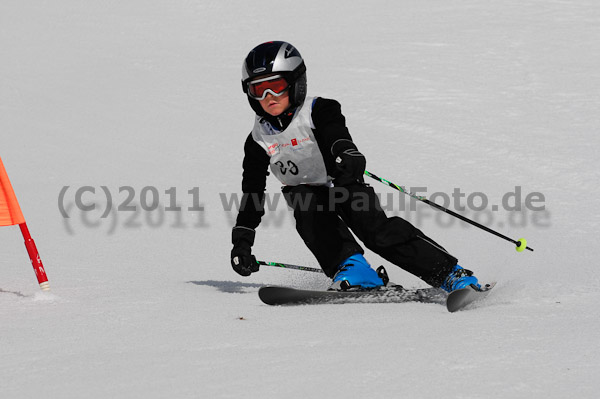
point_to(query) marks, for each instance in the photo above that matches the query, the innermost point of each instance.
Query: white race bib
(294, 152)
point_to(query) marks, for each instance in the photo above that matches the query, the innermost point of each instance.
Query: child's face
(273, 105)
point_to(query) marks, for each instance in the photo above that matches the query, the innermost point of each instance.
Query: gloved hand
(351, 164)
(242, 260)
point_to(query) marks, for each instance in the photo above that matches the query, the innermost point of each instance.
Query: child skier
(305, 143)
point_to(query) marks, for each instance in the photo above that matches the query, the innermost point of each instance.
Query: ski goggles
(276, 85)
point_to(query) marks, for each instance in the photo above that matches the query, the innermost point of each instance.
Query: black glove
(350, 163)
(242, 260)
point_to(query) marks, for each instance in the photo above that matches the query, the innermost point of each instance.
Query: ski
(275, 295)
(459, 299)
(455, 301)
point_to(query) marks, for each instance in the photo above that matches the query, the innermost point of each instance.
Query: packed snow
(138, 104)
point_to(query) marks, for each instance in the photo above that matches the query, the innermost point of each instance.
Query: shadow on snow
(232, 287)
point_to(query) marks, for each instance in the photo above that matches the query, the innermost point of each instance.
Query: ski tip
(460, 299)
(263, 294)
(269, 294)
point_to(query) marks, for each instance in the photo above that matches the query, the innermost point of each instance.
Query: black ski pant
(324, 217)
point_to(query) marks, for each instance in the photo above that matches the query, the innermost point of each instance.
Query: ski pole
(287, 266)
(520, 243)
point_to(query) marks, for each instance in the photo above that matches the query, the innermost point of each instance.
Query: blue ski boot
(355, 273)
(459, 278)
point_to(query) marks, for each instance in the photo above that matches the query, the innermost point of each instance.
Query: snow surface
(478, 95)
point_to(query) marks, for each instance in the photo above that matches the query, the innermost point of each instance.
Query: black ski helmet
(275, 57)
